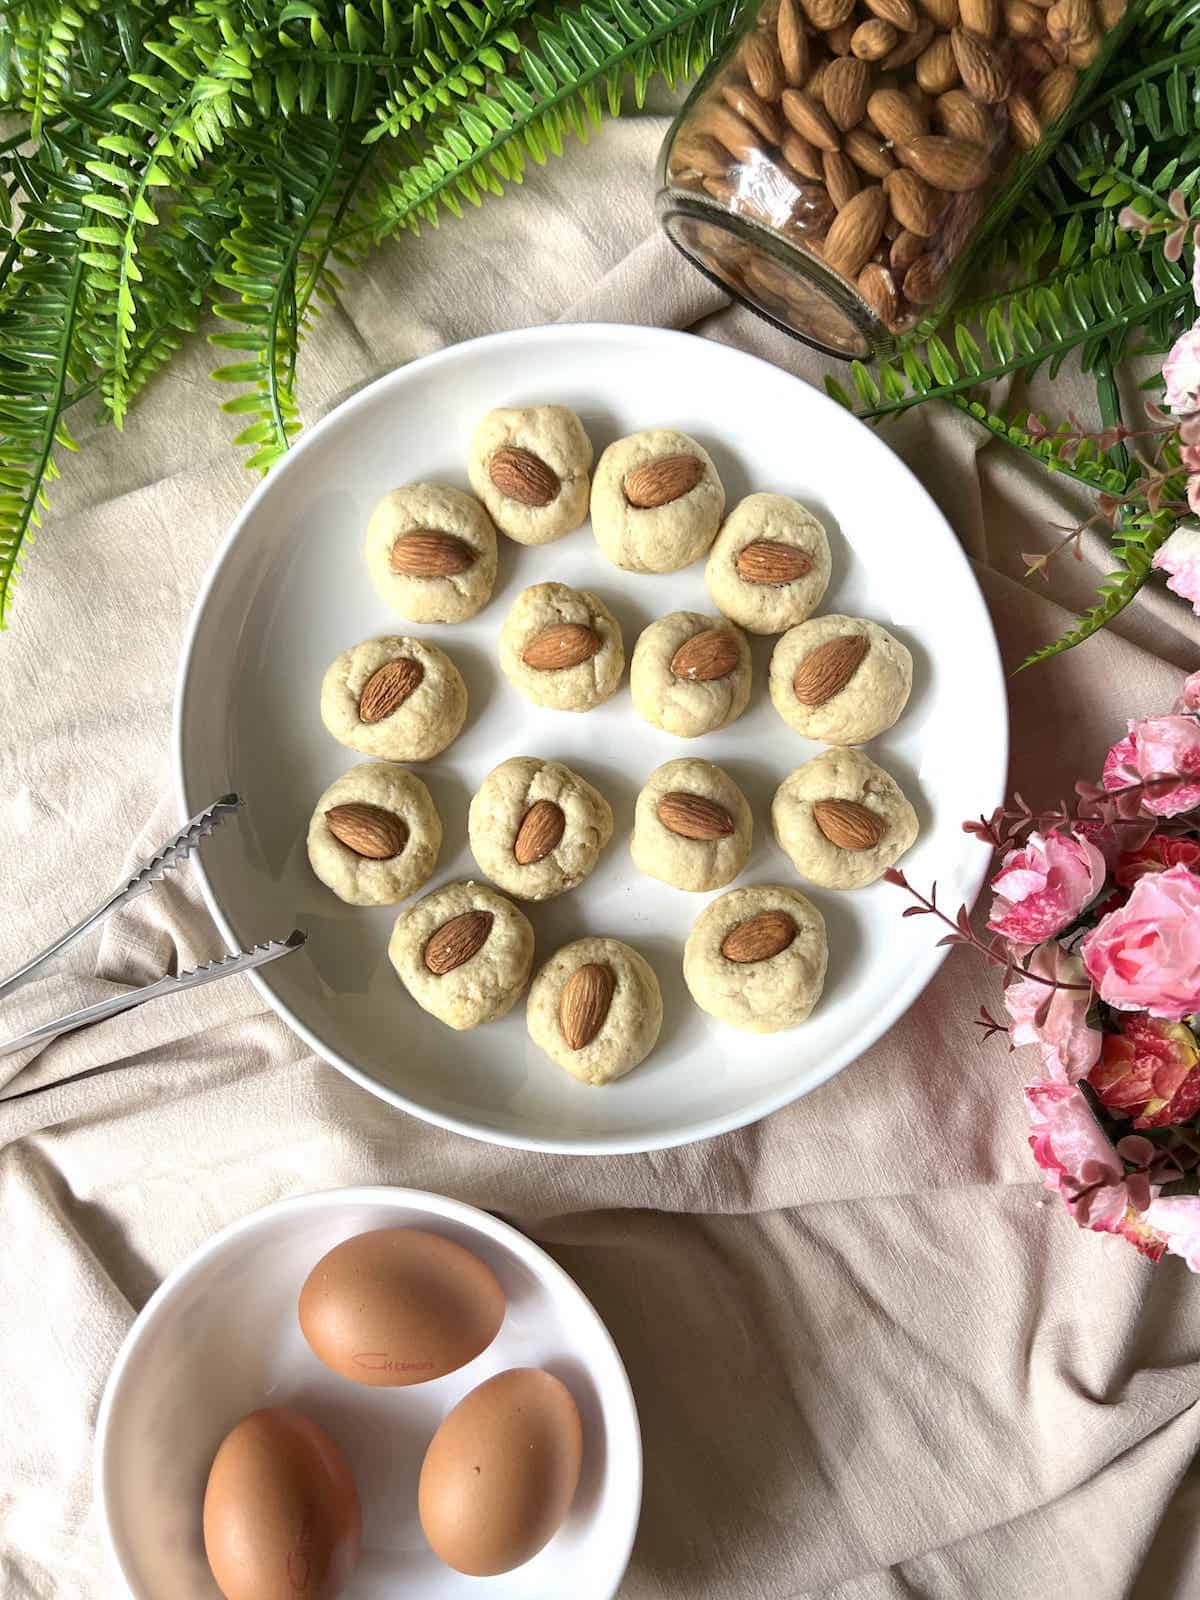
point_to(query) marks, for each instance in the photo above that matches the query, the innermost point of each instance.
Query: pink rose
(1181, 373)
(1156, 854)
(1149, 1071)
(1180, 555)
(1158, 747)
(1077, 1158)
(1043, 887)
(1054, 1019)
(1189, 695)
(1145, 955)
(1176, 1219)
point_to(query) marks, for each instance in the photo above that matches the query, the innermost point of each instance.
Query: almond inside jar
(870, 136)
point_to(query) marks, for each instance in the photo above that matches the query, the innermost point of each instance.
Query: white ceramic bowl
(289, 590)
(221, 1338)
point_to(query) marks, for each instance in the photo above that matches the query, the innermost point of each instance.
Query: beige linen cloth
(870, 1359)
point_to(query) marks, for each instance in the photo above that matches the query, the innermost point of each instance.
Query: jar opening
(727, 251)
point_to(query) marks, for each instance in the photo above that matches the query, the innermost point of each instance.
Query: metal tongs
(164, 860)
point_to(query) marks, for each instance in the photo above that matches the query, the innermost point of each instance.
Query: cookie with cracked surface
(537, 828)
(656, 501)
(690, 674)
(756, 957)
(464, 953)
(562, 647)
(841, 680)
(770, 564)
(431, 553)
(395, 698)
(595, 1008)
(529, 465)
(842, 820)
(375, 835)
(692, 827)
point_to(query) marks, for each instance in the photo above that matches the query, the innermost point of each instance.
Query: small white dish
(289, 590)
(221, 1337)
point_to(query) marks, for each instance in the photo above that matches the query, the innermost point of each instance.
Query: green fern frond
(551, 90)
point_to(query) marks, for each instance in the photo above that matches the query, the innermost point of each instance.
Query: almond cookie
(756, 958)
(840, 679)
(692, 827)
(529, 466)
(431, 553)
(562, 647)
(770, 565)
(656, 501)
(537, 828)
(464, 953)
(595, 1008)
(690, 674)
(400, 699)
(375, 835)
(842, 820)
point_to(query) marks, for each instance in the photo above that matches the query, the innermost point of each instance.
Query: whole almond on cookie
(388, 686)
(522, 476)
(706, 656)
(986, 72)
(827, 670)
(430, 555)
(692, 816)
(848, 825)
(769, 562)
(456, 941)
(562, 645)
(855, 231)
(368, 830)
(584, 1003)
(759, 938)
(659, 482)
(541, 828)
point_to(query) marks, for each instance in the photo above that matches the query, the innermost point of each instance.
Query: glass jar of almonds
(840, 161)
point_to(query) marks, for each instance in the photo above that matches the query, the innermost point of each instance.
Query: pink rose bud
(1041, 888)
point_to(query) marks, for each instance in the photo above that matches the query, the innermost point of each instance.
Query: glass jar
(839, 163)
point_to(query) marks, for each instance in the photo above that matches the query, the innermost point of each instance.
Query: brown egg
(281, 1513)
(399, 1306)
(501, 1472)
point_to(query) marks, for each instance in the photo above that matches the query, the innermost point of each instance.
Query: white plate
(289, 590)
(221, 1337)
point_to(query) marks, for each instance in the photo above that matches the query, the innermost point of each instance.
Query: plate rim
(438, 1205)
(885, 1018)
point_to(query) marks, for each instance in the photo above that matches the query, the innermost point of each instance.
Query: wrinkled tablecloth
(871, 1359)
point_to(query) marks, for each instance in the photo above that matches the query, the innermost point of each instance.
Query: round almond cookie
(842, 820)
(756, 958)
(431, 553)
(690, 674)
(529, 465)
(840, 679)
(399, 699)
(562, 647)
(464, 953)
(770, 564)
(537, 828)
(375, 835)
(595, 1008)
(692, 827)
(656, 501)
